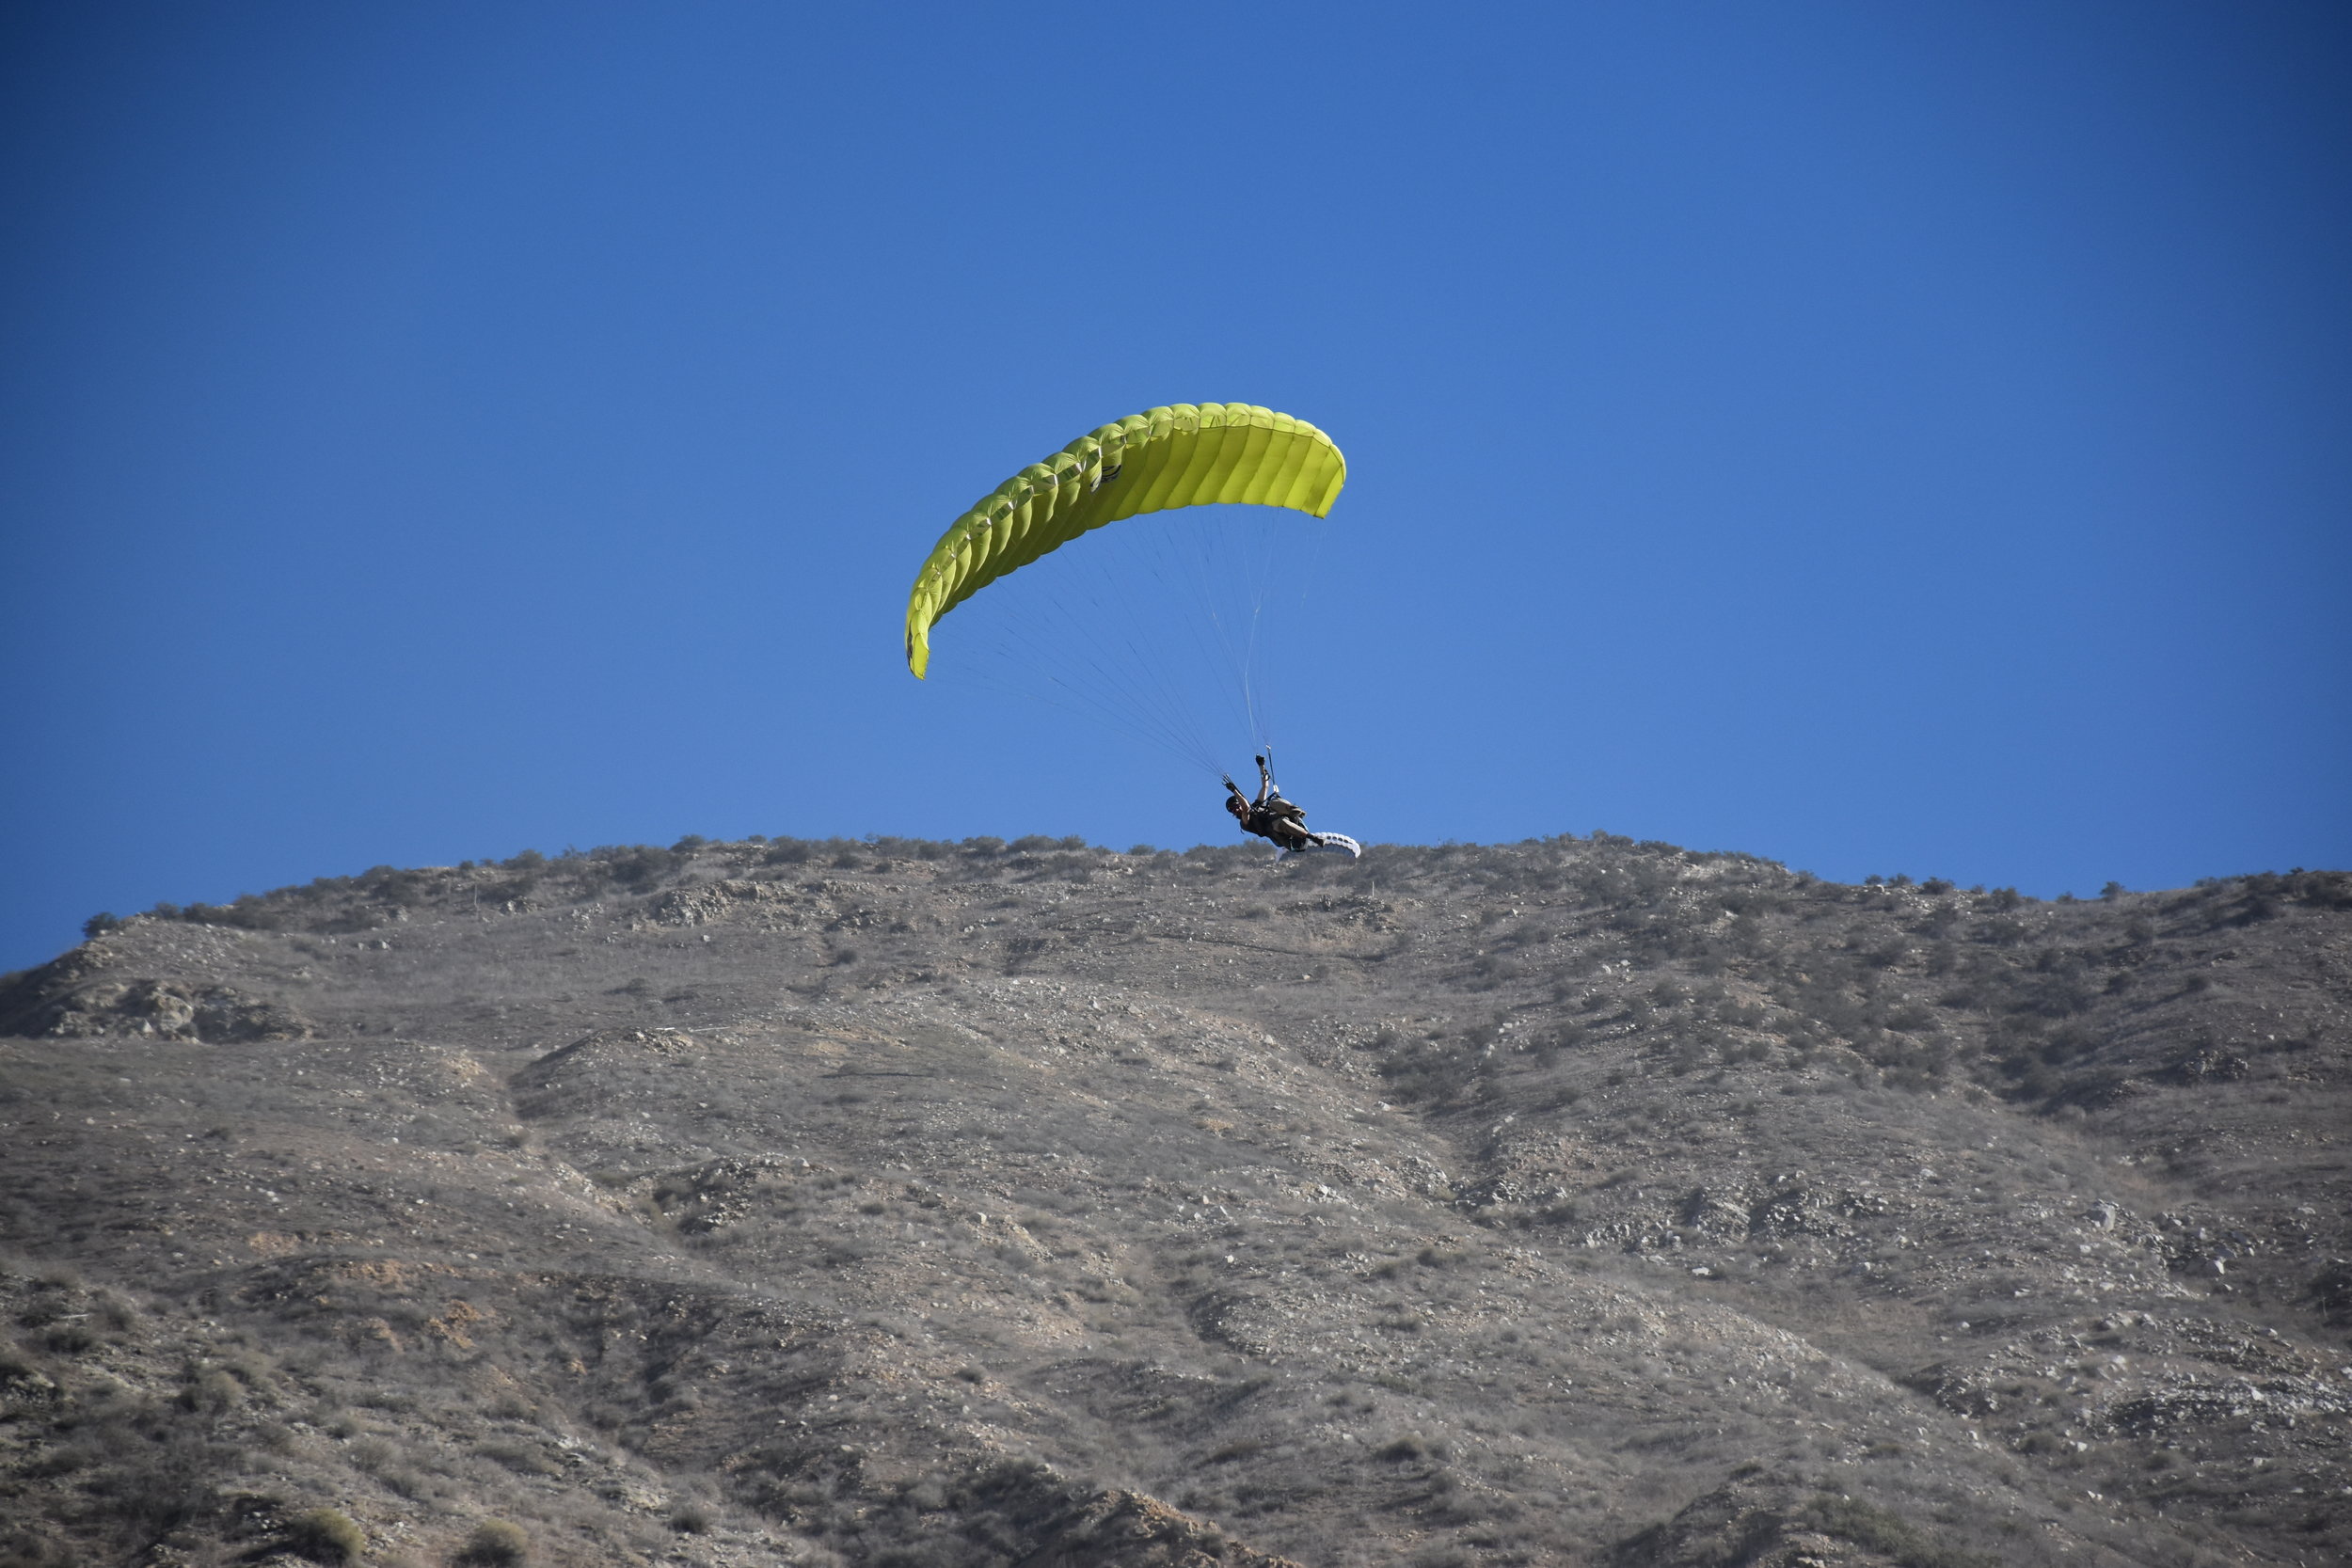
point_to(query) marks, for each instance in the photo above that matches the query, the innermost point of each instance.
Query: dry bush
(494, 1544)
(324, 1535)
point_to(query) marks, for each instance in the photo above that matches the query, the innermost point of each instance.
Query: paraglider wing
(1183, 455)
(1333, 843)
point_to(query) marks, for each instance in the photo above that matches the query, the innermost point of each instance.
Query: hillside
(897, 1203)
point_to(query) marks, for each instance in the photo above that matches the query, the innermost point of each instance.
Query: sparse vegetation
(1496, 1198)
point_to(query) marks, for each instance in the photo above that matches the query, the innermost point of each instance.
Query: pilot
(1269, 815)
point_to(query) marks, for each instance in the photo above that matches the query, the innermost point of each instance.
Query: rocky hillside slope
(1574, 1201)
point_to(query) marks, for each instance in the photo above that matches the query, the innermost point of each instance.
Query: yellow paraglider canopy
(1188, 454)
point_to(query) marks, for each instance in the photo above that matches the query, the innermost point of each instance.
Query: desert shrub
(212, 1393)
(636, 866)
(690, 1519)
(68, 1340)
(2331, 1294)
(117, 1314)
(524, 1458)
(1852, 1519)
(159, 1483)
(1938, 919)
(1491, 970)
(409, 1483)
(324, 1535)
(2001, 931)
(2324, 890)
(26, 1550)
(1428, 1069)
(100, 924)
(494, 1544)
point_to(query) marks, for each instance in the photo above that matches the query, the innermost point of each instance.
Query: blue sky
(1880, 438)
